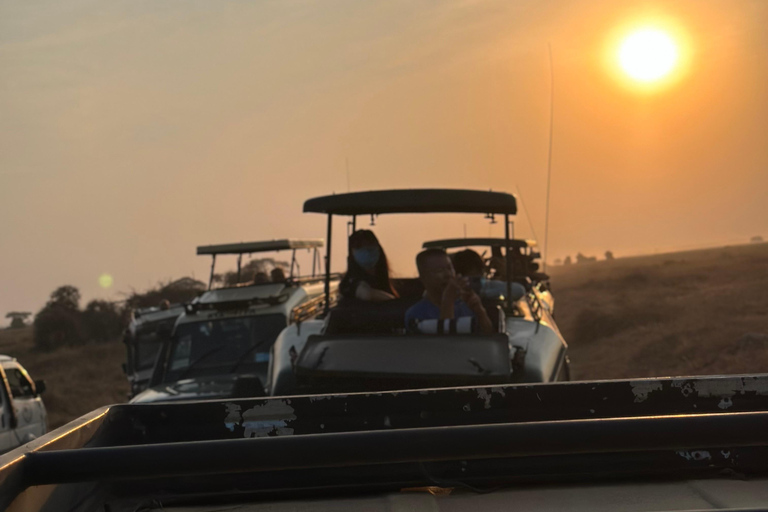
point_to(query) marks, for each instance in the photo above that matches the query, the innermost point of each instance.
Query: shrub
(102, 320)
(56, 326)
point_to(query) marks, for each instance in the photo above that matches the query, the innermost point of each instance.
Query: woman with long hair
(367, 276)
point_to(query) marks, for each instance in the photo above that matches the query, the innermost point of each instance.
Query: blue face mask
(366, 257)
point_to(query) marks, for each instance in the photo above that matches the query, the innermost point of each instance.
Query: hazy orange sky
(133, 131)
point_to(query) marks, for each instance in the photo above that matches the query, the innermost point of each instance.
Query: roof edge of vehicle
(200, 309)
(155, 313)
(450, 243)
(261, 246)
(6, 359)
(376, 202)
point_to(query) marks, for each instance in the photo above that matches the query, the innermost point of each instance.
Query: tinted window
(217, 346)
(21, 387)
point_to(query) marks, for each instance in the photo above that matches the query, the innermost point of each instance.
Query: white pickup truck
(22, 413)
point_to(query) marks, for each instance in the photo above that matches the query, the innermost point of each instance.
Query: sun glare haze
(648, 55)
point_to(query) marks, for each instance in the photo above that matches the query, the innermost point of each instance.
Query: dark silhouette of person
(367, 276)
(277, 275)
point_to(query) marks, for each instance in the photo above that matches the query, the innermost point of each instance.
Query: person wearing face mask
(471, 265)
(367, 276)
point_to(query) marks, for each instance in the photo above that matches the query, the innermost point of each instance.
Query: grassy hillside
(698, 312)
(701, 312)
(78, 379)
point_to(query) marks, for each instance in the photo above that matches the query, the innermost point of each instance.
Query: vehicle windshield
(148, 341)
(223, 346)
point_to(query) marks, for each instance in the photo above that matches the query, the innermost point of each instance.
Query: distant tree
(580, 258)
(608, 255)
(175, 292)
(66, 296)
(567, 260)
(558, 261)
(756, 239)
(18, 319)
(56, 327)
(102, 320)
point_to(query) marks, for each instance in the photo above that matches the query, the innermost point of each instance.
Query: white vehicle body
(536, 345)
(23, 417)
(273, 305)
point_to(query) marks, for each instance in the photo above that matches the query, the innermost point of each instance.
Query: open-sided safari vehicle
(366, 346)
(220, 345)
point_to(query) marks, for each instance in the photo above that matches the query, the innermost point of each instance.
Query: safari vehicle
(525, 268)
(598, 446)
(146, 332)
(22, 412)
(365, 346)
(220, 344)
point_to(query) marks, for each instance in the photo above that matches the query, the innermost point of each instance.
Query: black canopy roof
(450, 243)
(414, 201)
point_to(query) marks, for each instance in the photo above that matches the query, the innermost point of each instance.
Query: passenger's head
(365, 250)
(468, 263)
(260, 277)
(367, 256)
(277, 275)
(164, 304)
(435, 270)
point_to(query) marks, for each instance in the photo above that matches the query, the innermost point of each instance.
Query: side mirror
(39, 387)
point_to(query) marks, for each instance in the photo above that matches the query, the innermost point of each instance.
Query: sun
(648, 55)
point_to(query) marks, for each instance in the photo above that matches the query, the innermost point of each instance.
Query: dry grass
(692, 313)
(78, 379)
(701, 312)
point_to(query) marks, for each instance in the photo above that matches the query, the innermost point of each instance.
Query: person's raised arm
(472, 300)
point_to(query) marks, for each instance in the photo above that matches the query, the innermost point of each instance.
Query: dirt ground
(689, 313)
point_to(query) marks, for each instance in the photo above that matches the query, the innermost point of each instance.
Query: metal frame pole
(507, 259)
(213, 264)
(328, 264)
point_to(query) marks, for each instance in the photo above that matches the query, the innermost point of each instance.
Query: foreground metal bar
(395, 446)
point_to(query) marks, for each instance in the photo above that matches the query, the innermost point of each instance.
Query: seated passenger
(367, 276)
(471, 265)
(277, 275)
(260, 278)
(446, 296)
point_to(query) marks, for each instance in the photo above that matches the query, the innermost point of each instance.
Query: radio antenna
(549, 158)
(527, 215)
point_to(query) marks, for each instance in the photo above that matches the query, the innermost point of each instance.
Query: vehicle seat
(354, 316)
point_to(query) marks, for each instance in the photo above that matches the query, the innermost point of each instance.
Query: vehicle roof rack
(450, 243)
(264, 246)
(414, 201)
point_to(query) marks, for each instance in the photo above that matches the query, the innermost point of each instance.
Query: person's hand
(453, 290)
(471, 298)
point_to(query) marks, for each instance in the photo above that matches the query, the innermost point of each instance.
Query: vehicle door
(27, 404)
(7, 437)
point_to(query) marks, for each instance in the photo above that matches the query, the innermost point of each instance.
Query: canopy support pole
(239, 266)
(507, 259)
(213, 264)
(328, 265)
(293, 262)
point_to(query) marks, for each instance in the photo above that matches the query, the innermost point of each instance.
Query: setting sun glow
(648, 55)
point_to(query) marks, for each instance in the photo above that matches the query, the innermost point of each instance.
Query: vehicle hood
(200, 388)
